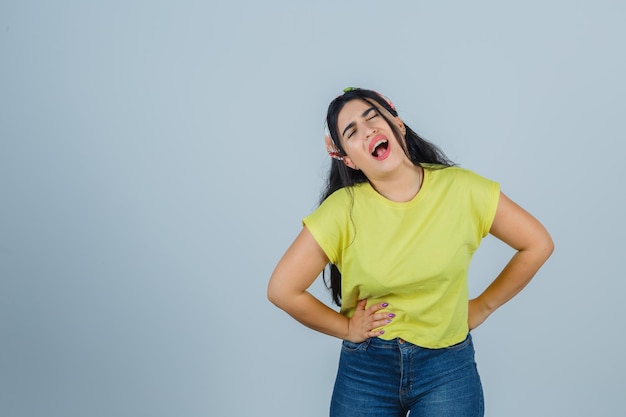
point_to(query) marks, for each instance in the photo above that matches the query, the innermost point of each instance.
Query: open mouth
(380, 148)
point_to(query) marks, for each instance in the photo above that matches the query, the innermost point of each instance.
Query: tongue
(380, 150)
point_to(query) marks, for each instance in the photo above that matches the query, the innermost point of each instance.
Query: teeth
(378, 142)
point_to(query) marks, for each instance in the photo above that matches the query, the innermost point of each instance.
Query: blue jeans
(389, 378)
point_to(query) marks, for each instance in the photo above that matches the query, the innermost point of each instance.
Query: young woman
(398, 225)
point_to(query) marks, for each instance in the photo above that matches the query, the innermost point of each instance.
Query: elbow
(272, 294)
(273, 298)
(546, 247)
(550, 247)
(282, 295)
(538, 250)
(275, 294)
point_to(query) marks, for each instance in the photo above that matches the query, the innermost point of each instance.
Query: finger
(376, 333)
(385, 315)
(361, 305)
(374, 308)
(377, 326)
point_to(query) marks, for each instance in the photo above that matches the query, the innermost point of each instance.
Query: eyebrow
(364, 114)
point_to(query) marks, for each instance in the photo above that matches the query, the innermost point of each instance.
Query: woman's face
(369, 142)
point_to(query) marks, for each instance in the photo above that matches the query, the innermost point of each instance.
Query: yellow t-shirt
(414, 255)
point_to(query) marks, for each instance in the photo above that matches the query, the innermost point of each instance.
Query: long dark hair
(418, 150)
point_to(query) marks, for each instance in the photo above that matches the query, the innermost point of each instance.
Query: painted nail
(391, 315)
(381, 332)
(388, 321)
(385, 304)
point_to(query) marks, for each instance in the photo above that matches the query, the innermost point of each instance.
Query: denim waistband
(397, 343)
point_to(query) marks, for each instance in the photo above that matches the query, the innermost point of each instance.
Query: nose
(369, 131)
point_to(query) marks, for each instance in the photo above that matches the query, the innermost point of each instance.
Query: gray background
(156, 159)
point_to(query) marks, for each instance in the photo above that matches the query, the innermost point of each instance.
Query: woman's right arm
(298, 268)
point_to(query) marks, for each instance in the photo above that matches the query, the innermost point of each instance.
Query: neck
(401, 186)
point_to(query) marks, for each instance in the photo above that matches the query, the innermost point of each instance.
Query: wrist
(484, 304)
(346, 328)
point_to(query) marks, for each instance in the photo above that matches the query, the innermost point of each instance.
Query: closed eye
(368, 114)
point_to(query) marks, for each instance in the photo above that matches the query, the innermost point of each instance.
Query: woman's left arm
(519, 229)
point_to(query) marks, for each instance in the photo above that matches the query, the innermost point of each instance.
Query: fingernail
(391, 315)
(385, 304)
(388, 321)
(381, 332)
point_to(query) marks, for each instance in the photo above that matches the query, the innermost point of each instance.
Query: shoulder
(335, 205)
(345, 196)
(475, 196)
(463, 183)
(454, 171)
(456, 176)
(338, 198)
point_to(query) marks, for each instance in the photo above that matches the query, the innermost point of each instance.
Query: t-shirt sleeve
(328, 225)
(484, 196)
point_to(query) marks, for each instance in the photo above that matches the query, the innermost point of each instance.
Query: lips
(379, 147)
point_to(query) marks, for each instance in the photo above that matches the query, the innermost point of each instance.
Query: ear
(401, 125)
(349, 163)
